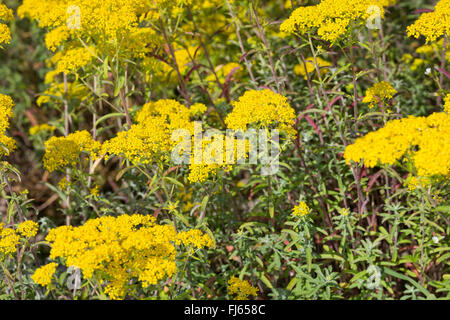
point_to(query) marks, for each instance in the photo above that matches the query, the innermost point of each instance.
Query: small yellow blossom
(379, 92)
(43, 275)
(7, 144)
(301, 209)
(311, 69)
(425, 139)
(65, 151)
(121, 249)
(432, 25)
(447, 103)
(241, 288)
(330, 19)
(262, 108)
(28, 228)
(197, 108)
(41, 128)
(9, 239)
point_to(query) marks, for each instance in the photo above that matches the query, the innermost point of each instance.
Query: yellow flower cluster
(241, 288)
(379, 92)
(310, 63)
(430, 135)
(222, 72)
(65, 151)
(432, 25)
(6, 14)
(301, 209)
(43, 275)
(197, 109)
(69, 61)
(447, 103)
(107, 23)
(7, 144)
(262, 108)
(331, 18)
(56, 92)
(150, 138)
(28, 228)
(120, 249)
(41, 128)
(63, 184)
(413, 182)
(9, 239)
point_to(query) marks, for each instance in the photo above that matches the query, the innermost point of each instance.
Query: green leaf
(332, 256)
(413, 282)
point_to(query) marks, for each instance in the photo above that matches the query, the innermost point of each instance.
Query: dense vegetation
(118, 180)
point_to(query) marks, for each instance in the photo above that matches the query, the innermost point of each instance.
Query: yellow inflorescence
(301, 209)
(41, 128)
(28, 228)
(264, 109)
(379, 92)
(432, 25)
(332, 18)
(447, 103)
(120, 249)
(65, 151)
(222, 72)
(43, 275)
(6, 14)
(150, 138)
(241, 288)
(6, 105)
(310, 71)
(431, 136)
(106, 22)
(73, 59)
(197, 109)
(344, 212)
(9, 239)
(57, 91)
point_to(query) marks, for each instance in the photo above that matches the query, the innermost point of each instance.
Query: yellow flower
(94, 191)
(71, 60)
(344, 212)
(6, 14)
(150, 138)
(301, 209)
(197, 108)
(379, 92)
(9, 239)
(425, 139)
(7, 144)
(41, 128)
(447, 103)
(105, 23)
(262, 108)
(330, 19)
(241, 288)
(310, 63)
(417, 63)
(407, 58)
(195, 238)
(43, 275)
(432, 25)
(5, 34)
(65, 151)
(56, 92)
(28, 228)
(121, 249)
